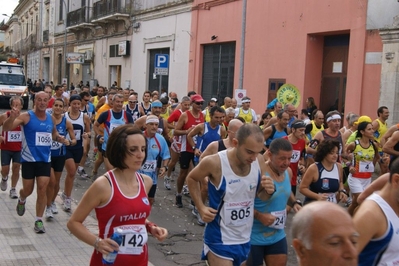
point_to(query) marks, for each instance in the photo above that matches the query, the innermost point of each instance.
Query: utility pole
(242, 50)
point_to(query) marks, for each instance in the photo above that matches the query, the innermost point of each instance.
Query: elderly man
(324, 234)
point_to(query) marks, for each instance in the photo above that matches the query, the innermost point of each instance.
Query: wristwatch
(193, 147)
(296, 202)
(166, 168)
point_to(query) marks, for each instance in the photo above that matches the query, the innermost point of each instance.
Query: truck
(12, 82)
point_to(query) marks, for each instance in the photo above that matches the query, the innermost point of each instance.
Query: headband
(334, 116)
(246, 101)
(152, 120)
(156, 104)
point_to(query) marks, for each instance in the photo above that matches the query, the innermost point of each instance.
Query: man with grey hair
(324, 234)
(247, 113)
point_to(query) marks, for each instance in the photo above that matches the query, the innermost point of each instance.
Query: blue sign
(161, 64)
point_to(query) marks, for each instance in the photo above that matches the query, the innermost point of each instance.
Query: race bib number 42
(43, 139)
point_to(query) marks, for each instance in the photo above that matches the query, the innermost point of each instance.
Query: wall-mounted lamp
(213, 37)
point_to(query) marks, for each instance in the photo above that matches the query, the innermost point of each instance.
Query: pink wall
(284, 39)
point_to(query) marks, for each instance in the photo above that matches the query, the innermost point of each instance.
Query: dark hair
(117, 149)
(380, 110)
(361, 126)
(191, 93)
(264, 116)
(175, 100)
(324, 148)
(84, 94)
(216, 109)
(241, 119)
(57, 87)
(247, 130)
(280, 144)
(304, 112)
(311, 101)
(280, 114)
(164, 101)
(61, 100)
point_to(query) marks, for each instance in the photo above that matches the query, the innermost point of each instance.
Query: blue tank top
(209, 135)
(79, 128)
(146, 111)
(134, 112)
(111, 124)
(267, 235)
(36, 139)
(277, 134)
(57, 148)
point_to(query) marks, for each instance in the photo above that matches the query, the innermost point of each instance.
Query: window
(83, 3)
(31, 25)
(61, 14)
(113, 50)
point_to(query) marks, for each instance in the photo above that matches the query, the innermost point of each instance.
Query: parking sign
(161, 64)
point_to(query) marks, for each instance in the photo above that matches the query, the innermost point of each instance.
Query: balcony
(45, 35)
(111, 10)
(79, 18)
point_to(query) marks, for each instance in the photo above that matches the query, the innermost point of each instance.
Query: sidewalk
(20, 245)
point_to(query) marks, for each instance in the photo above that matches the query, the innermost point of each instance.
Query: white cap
(214, 100)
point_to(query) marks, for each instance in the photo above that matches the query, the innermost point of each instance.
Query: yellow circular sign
(288, 93)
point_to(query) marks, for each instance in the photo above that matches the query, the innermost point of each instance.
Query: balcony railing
(79, 16)
(45, 35)
(105, 8)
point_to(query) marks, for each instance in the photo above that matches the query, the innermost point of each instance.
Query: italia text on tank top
(12, 139)
(57, 148)
(36, 139)
(234, 199)
(128, 213)
(191, 121)
(385, 250)
(328, 182)
(78, 128)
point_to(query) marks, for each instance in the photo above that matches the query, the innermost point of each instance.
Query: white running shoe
(54, 209)
(13, 193)
(67, 204)
(3, 184)
(166, 183)
(185, 190)
(49, 213)
(82, 173)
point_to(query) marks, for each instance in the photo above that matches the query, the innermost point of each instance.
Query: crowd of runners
(241, 168)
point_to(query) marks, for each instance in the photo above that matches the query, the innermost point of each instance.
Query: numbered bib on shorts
(55, 145)
(134, 237)
(295, 156)
(281, 216)
(14, 136)
(43, 139)
(238, 213)
(149, 166)
(331, 197)
(366, 167)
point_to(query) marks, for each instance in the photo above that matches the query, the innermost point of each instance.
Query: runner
(37, 132)
(146, 104)
(74, 154)
(380, 127)
(11, 144)
(157, 149)
(268, 237)
(58, 152)
(377, 222)
(246, 112)
(277, 130)
(133, 107)
(235, 178)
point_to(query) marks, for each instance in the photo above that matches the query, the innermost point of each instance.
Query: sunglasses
(199, 103)
(132, 102)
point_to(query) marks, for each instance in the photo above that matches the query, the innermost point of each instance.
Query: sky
(7, 7)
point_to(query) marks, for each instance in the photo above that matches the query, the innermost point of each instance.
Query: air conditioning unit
(89, 55)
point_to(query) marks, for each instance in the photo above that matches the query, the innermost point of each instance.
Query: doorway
(334, 73)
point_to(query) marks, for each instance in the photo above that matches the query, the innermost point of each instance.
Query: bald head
(235, 124)
(227, 102)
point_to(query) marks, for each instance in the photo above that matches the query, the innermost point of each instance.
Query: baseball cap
(196, 98)
(363, 118)
(75, 97)
(214, 100)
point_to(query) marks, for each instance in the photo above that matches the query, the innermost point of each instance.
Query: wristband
(273, 191)
(149, 225)
(344, 191)
(296, 202)
(166, 168)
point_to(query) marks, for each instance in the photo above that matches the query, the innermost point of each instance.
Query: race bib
(331, 197)
(296, 155)
(134, 237)
(238, 213)
(281, 216)
(366, 167)
(43, 139)
(149, 166)
(55, 145)
(112, 127)
(78, 134)
(14, 136)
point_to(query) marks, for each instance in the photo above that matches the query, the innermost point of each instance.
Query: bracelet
(149, 225)
(98, 240)
(273, 191)
(296, 202)
(344, 191)
(166, 167)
